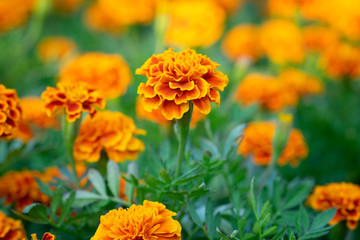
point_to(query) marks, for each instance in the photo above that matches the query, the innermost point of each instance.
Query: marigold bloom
(10, 112)
(67, 5)
(56, 49)
(319, 38)
(110, 131)
(283, 8)
(11, 16)
(257, 141)
(196, 23)
(108, 74)
(175, 79)
(242, 42)
(148, 221)
(344, 196)
(74, 97)
(11, 229)
(270, 92)
(342, 60)
(229, 5)
(46, 236)
(300, 82)
(282, 41)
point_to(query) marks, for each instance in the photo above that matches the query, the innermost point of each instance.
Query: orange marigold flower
(196, 23)
(74, 97)
(10, 112)
(148, 221)
(67, 5)
(257, 141)
(110, 131)
(56, 49)
(11, 16)
(282, 41)
(283, 8)
(242, 42)
(11, 229)
(47, 236)
(229, 5)
(319, 38)
(300, 82)
(175, 79)
(270, 92)
(344, 196)
(341, 60)
(109, 74)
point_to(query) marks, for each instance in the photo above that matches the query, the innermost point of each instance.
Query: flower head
(282, 41)
(344, 196)
(283, 8)
(110, 131)
(56, 49)
(11, 16)
(148, 221)
(11, 229)
(257, 141)
(106, 73)
(319, 38)
(197, 23)
(270, 92)
(10, 112)
(242, 42)
(175, 79)
(74, 97)
(46, 236)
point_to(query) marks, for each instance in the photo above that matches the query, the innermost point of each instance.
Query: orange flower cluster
(11, 16)
(175, 79)
(100, 15)
(67, 5)
(22, 189)
(257, 141)
(46, 236)
(148, 221)
(319, 38)
(282, 41)
(75, 98)
(195, 23)
(157, 117)
(57, 49)
(110, 131)
(242, 42)
(109, 74)
(229, 5)
(344, 196)
(11, 229)
(10, 112)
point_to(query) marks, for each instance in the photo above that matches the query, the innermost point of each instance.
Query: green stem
(102, 163)
(69, 131)
(183, 132)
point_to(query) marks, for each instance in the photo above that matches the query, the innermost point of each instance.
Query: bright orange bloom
(300, 82)
(11, 229)
(270, 92)
(11, 16)
(282, 41)
(110, 131)
(20, 188)
(229, 5)
(319, 38)
(283, 8)
(195, 23)
(75, 98)
(257, 141)
(341, 60)
(344, 196)
(148, 221)
(10, 112)
(242, 42)
(56, 49)
(108, 74)
(67, 5)
(175, 79)
(47, 236)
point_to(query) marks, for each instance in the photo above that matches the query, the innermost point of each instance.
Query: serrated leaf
(270, 231)
(56, 202)
(232, 141)
(300, 194)
(97, 181)
(252, 198)
(180, 181)
(113, 178)
(280, 234)
(323, 218)
(194, 216)
(66, 207)
(304, 218)
(265, 210)
(44, 188)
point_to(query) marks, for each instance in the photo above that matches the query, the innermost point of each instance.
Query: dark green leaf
(36, 210)
(44, 188)
(323, 218)
(194, 216)
(210, 219)
(65, 211)
(164, 175)
(56, 202)
(270, 231)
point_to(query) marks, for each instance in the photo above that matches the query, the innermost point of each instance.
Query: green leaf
(223, 236)
(292, 236)
(265, 210)
(280, 234)
(97, 181)
(194, 216)
(165, 150)
(36, 210)
(304, 218)
(323, 218)
(249, 236)
(252, 198)
(56, 202)
(270, 231)
(44, 188)
(233, 140)
(210, 219)
(300, 194)
(67, 207)
(180, 181)
(210, 147)
(113, 178)
(164, 175)
(83, 198)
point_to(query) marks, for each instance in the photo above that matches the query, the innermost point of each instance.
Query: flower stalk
(183, 125)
